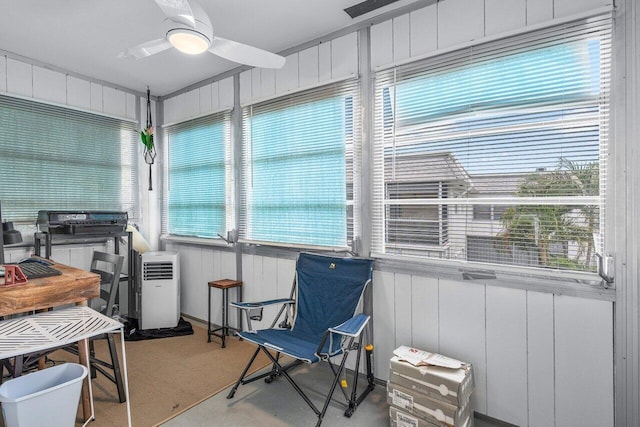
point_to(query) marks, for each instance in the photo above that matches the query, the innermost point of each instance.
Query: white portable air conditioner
(160, 290)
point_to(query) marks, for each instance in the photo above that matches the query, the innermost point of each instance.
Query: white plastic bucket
(48, 397)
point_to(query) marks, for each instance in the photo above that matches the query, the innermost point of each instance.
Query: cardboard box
(453, 386)
(434, 411)
(399, 418)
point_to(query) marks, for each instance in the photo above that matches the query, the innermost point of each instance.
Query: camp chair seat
(304, 347)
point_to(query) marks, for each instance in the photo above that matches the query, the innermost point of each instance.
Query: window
(64, 159)
(496, 153)
(488, 212)
(298, 167)
(409, 226)
(200, 196)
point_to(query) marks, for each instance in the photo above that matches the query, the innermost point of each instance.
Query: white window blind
(199, 180)
(497, 153)
(56, 158)
(298, 167)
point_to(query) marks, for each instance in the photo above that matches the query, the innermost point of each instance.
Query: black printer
(82, 222)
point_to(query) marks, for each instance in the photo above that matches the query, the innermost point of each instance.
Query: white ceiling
(85, 36)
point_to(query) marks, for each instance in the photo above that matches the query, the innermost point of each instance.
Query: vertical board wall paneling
(287, 77)
(344, 56)
(539, 11)
(459, 21)
(246, 86)
(169, 110)
(401, 38)
(96, 97)
(204, 98)
(540, 362)
(181, 108)
(3, 73)
(256, 85)
(49, 85)
(267, 83)
(248, 281)
(424, 30)
(252, 276)
(192, 300)
(215, 96)
(215, 266)
(324, 62)
(382, 44)
(308, 66)
(583, 361)
(19, 78)
(78, 92)
(130, 103)
(402, 301)
(113, 102)
(227, 266)
(384, 328)
(209, 271)
(225, 93)
(562, 8)
(462, 332)
(504, 15)
(269, 285)
(425, 314)
(227, 270)
(507, 354)
(61, 254)
(192, 103)
(286, 274)
(16, 254)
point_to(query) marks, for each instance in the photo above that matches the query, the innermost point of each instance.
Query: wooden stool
(225, 285)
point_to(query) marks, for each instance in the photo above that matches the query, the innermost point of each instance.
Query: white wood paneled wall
(539, 359)
(450, 23)
(325, 62)
(39, 83)
(75, 255)
(333, 60)
(198, 266)
(199, 102)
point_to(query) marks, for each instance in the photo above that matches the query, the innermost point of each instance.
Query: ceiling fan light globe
(188, 41)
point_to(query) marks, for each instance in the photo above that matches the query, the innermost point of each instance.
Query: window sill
(557, 282)
(202, 241)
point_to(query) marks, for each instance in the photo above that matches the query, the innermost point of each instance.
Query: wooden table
(74, 286)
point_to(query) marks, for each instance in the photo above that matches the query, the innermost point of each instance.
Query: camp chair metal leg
(292, 382)
(335, 383)
(370, 378)
(246, 369)
(356, 400)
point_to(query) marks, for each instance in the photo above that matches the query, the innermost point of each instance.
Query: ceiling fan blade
(146, 49)
(245, 54)
(178, 11)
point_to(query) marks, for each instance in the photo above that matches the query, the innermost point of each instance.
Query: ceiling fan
(190, 31)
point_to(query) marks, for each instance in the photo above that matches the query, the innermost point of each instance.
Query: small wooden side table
(225, 285)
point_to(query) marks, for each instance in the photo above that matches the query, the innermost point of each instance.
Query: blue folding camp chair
(319, 321)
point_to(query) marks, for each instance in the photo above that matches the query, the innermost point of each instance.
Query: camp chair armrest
(253, 310)
(352, 327)
(260, 304)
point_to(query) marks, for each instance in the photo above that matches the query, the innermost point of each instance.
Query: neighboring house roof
(497, 184)
(445, 167)
(426, 167)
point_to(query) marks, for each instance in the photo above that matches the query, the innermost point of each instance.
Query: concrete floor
(278, 405)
